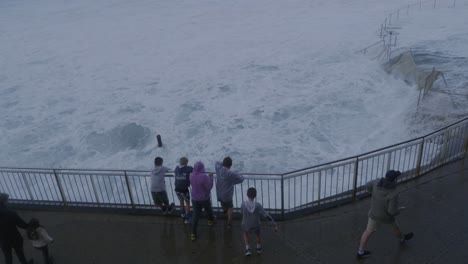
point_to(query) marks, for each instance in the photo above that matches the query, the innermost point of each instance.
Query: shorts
(255, 230)
(160, 198)
(183, 196)
(226, 205)
(372, 224)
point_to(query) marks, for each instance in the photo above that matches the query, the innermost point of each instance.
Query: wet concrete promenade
(436, 203)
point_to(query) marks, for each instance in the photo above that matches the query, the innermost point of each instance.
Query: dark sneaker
(259, 250)
(248, 252)
(212, 221)
(407, 237)
(364, 254)
(171, 208)
(187, 219)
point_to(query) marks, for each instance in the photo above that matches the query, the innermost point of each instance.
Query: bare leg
(258, 239)
(246, 239)
(182, 205)
(364, 237)
(187, 207)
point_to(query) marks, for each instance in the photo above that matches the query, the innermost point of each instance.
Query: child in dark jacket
(251, 212)
(40, 239)
(182, 183)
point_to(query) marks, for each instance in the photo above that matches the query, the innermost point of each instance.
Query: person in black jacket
(10, 238)
(182, 184)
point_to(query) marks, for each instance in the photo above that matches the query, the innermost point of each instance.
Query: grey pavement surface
(436, 212)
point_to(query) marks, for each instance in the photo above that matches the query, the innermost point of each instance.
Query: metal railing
(388, 34)
(283, 195)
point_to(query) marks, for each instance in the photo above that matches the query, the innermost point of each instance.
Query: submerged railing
(283, 195)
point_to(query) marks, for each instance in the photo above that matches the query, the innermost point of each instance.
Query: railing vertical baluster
(355, 178)
(59, 184)
(94, 190)
(465, 146)
(319, 187)
(443, 150)
(300, 191)
(282, 197)
(129, 190)
(27, 187)
(307, 188)
(261, 189)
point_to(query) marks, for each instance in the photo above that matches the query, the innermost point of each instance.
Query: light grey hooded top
(158, 184)
(225, 181)
(251, 212)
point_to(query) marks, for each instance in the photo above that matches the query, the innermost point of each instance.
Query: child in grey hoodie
(225, 181)
(251, 212)
(158, 186)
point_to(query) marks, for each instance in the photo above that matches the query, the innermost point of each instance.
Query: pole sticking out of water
(159, 140)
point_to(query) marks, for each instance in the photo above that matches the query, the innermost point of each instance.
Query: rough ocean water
(278, 86)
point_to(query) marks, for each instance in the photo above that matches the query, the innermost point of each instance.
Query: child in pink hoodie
(201, 187)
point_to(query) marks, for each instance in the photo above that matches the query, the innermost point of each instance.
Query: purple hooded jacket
(201, 183)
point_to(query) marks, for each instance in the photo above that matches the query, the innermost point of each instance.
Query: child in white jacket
(251, 213)
(40, 239)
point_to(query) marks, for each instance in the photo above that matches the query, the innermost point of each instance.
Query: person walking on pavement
(10, 238)
(384, 208)
(225, 181)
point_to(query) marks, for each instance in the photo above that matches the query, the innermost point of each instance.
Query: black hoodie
(9, 220)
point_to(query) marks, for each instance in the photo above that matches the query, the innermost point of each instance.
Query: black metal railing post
(420, 154)
(59, 184)
(282, 196)
(129, 190)
(355, 178)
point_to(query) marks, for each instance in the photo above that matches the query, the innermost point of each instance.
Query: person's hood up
(198, 167)
(250, 205)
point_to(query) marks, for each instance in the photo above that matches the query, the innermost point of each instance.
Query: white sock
(360, 251)
(247, 247)
(259, 246)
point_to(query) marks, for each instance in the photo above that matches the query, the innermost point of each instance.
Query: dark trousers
(7, 252)
(197, 208)
(45, 254)
(160, 199)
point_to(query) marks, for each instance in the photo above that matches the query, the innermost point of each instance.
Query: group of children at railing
(201, 184)
(384, 207)
(11, 239)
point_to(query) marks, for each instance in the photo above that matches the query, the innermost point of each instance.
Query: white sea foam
(276, 85)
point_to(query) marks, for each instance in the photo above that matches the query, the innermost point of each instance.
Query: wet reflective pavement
(436, 211)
